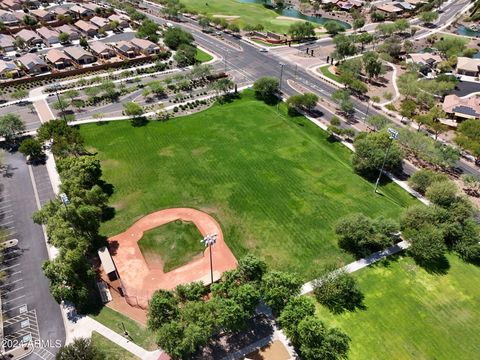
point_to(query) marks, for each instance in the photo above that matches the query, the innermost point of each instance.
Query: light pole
(225, 60)
(56, 85)
(281, 76)
(209, 240)
(366, 115)
(393, 135)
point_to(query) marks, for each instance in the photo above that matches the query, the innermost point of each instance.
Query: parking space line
(12, 258)
(15, 273)
(15, 307)
(19, 288)
(8, 222)
(8, 301)
(9, 267)
(8, 284)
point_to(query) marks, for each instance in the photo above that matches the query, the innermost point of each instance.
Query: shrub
(422, 179)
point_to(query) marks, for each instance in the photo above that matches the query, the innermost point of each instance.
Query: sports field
(411, 314)
(173, 244)
(275, 183)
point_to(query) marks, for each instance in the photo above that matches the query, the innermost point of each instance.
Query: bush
(422, 179)
(443, 193)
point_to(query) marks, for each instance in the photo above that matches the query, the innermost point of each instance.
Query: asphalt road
(29, 310)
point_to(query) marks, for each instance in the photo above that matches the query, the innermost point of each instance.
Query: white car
(263, 50)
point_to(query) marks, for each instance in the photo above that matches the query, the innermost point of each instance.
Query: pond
(294, 13)
(462, 30)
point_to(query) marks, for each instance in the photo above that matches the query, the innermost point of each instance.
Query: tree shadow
(139, 121)
(108, 213)
(439, 266)
(106, 187)
(228, 98)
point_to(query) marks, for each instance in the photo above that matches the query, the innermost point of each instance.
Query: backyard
(413, 314)
(275, 183)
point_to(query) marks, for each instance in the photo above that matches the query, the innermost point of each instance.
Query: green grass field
(138, 333)
(275, 183)
(326, 72)
(247, 13)
(411, 314)
(109, 349)
(202, 56)
(176, 243)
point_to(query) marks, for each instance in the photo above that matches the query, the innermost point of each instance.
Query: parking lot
(26, 112)
(30, 314)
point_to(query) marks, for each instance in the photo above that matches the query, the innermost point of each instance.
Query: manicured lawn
(109, 349)
(412, 314)
(202, 56)
(138, 333)
(176, 243)
(275, 183)
(326, 72)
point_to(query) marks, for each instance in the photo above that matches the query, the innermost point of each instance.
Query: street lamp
(209, 240)
(225, 60)
(56, 85)
(393, 135)
(281, 76)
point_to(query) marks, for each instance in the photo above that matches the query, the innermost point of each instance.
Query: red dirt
(140, 282)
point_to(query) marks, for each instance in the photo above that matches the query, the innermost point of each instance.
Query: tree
(63, 37)
(10, 125)
(175, 36)
(148, 30)
(378, 122)
(85, 171)
(83, 41)
(391, 46)
(428, 16)
(79, 349)
(468, 136)
(191, 292)
(233, 28)
(185, 55)
(337, 290)
(301, 30)
(162, 308)
(113, 25)
(363, 39)
(29, 21)
(333, 27)
(266, 88)
(344, 46)
(342, 97)
(370, 150)
(360, 235)
(222, 85)
(132, 109)
(422, 179)
(319, 342)
(252, 268)
(358, 23)
(19, 42)
(407, 108)
(19, 94)
(204, 22)
(426, 245)
(306, 101)
(373, 66)
(443, 193)
(32, 148)
(278, 288)
(297, 309)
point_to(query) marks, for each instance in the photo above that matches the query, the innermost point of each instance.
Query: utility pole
(60, 101)
(225, 60)
(393, 136)
(209, 240)
(280, 84)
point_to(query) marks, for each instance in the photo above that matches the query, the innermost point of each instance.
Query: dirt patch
(273, 351)
(167, 151)
(200, 150)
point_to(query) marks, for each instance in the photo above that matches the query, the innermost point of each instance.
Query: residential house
(461, 109)
(43, 15)
(126, 48)
(33, 64)
(427, 62)
(50, 36)
(87, 27)
(12, 4)
(146, 47)
(91, 6)
(405, 6)
(468, 66)
(80, 55)
(7, 43)
(121, 19)
(81, 12)
(70, 30)
(8, 70)
(416, 3)
(100, 22)
(101, 50)
(30, 37)
(58, 59)
(61, 11)
(31, 4)
(8, 18)
(389, 9)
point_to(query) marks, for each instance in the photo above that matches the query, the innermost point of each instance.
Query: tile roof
(30, 60)
(143, 44)
(85, 25)
(47, 33)
(76, 52)
(468, 64)
(55, 55)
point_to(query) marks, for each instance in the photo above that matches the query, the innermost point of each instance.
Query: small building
(468, 66)
(8, 18)
(126, 48)
(8, 70)
(12, 4)
(70, 30)
(43, 15)
(458, 108)
(101, 50)
(33, 64)
(146, 47)
(58, 59)
(30, 37)
(7, 43)
(48, 35)
(80, 55)
(121, 19)
(81, 13)
(99, 22)
(87, 27)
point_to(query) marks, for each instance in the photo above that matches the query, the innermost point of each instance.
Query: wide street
(29, 310)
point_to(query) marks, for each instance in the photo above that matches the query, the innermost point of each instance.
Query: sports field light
(393, 135)
(209, 240)
(65, 199)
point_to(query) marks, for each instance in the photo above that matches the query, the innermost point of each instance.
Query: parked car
(263, 50)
